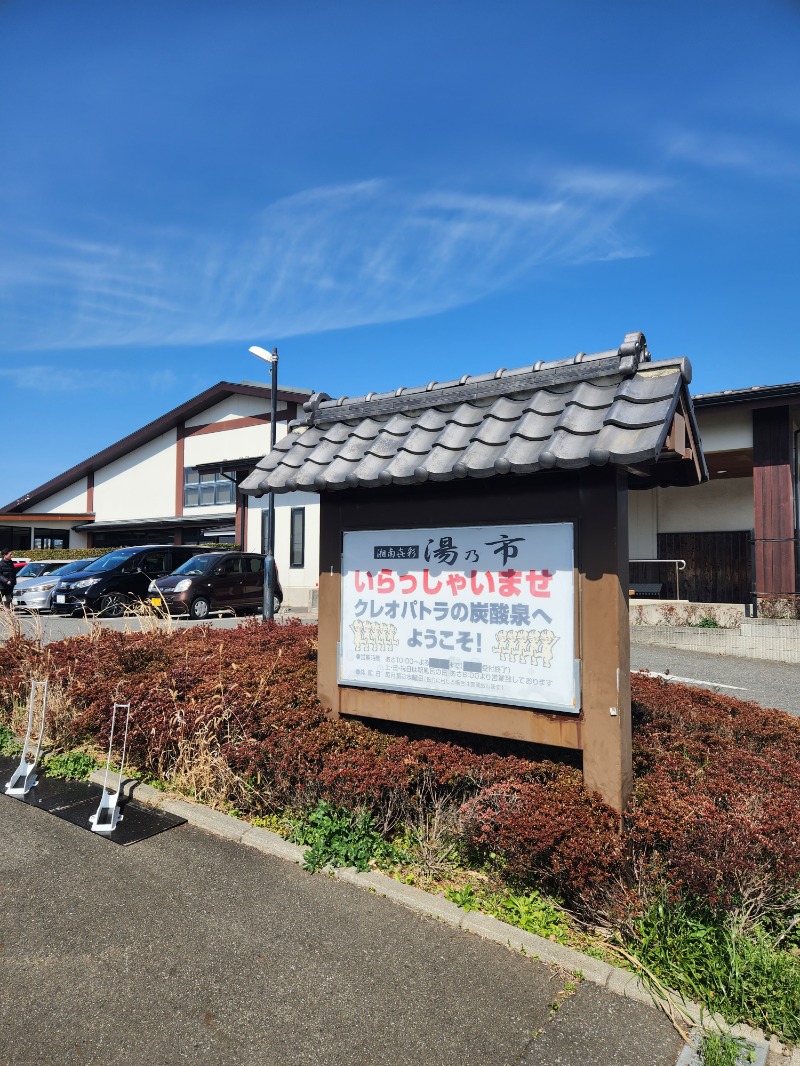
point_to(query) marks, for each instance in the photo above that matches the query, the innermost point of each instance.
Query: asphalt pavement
(770, 684)
(188, 947)
(48, 627)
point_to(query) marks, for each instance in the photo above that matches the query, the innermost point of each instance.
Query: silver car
(34, 592)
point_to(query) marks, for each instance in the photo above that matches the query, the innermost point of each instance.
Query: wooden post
(607, 763)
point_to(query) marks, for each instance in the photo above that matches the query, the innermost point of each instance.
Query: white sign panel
(481, 613)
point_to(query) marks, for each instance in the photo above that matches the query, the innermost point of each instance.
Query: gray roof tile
(610, 407)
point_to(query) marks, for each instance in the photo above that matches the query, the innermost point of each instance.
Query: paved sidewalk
(191, 947)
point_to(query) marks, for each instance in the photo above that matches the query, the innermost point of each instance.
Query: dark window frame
(297, 518)
(222, 485)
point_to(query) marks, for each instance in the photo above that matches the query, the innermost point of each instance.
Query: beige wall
(299, 584)
(241, 443)
(722, 431)
(643, 524)
(715, 506)
(68, 501)
(139, 485)
(233, 407)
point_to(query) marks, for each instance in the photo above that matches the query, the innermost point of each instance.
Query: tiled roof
(613, 407)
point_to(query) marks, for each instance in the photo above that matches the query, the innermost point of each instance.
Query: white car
(34, 592)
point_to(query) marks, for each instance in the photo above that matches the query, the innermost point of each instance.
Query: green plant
(9, 745)
(465, 897)
(529, 911)
(722, 1049)
(535, 914)
(339, 837)
(69, 765)
(706, 622)
(740, 974)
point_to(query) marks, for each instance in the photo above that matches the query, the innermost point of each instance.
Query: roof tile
(609, 407)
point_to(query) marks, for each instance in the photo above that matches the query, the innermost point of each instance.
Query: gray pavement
(188, 947)
(770, 684)
(50, 627)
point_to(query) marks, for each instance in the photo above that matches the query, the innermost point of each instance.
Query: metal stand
(24, 777)
(105, 819)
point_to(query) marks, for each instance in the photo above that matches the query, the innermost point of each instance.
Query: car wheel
(112, 605)
(199, 608)
(276, 605)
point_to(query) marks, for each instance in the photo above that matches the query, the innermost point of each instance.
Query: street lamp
(268, 611)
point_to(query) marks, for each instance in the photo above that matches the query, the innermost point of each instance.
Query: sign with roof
(419, 621)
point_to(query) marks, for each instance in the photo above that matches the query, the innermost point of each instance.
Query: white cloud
(327, 258)
(49, 378)
(758, 157)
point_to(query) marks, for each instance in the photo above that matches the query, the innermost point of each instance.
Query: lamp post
(268, 611)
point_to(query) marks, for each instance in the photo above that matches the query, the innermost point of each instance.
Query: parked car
(19, 563)
(119, 579)
(36, 593)
(39, 568)
(214, 581)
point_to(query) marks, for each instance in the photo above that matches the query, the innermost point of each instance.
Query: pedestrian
(8, 578)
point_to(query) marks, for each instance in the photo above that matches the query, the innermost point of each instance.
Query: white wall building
(174, 481)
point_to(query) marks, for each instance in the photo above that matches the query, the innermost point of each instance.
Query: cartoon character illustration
(502, 648)
(534, 646)
(548, 640)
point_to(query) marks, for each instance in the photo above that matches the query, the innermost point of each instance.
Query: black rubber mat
(77, 801)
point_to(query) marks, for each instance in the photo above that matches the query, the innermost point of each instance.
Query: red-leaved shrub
(551, 832)
(715, 812)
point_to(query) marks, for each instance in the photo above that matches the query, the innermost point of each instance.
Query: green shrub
(69, 766)
(339, 837)
(722, 1049)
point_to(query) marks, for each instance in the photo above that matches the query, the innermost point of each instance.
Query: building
(175, 481)
(738, 532)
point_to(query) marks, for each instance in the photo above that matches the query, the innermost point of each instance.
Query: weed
(529, 911)
(465, 897)
(535, 914)
(276, 823)
(740, 974)
(706, 622)
(70, 765)
(339, 837)
(9, 745)
(722, 1049)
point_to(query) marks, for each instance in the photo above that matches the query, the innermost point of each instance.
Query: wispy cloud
(755, 156)
(51, 378)
(325, 259)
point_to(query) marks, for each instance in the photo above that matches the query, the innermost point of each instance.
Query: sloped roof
(613, 407)
(149, 432)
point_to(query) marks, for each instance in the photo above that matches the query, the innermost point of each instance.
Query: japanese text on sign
(480, 612)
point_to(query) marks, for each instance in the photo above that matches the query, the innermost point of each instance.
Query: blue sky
(391, 193)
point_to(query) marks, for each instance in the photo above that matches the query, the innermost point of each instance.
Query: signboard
(482, 613)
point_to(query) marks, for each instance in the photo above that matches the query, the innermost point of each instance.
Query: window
(155, 562)
(204, 490)
(297, 538)
(50, 538)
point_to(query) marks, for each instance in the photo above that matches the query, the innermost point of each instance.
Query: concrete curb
(612, 978)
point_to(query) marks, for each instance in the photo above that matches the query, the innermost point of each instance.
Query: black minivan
(119, 579)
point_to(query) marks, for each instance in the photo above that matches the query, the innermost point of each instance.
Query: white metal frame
(25, 777)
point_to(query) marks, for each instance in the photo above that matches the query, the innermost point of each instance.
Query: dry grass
(198, 768)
